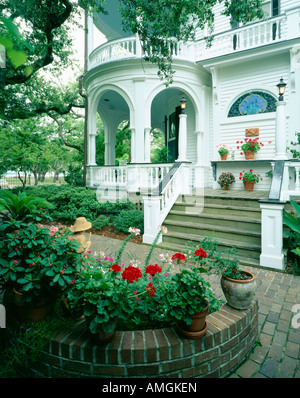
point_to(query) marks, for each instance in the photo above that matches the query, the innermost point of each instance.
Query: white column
(182, 140)
(271, 236)
(151, 218)
(91, 138)
(280, 133)
(133, 145)
(90, 37)
(199, 135)
(147, 145)
(91, 149)
(139, 119)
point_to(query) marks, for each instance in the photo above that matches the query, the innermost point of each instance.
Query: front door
(173, 134)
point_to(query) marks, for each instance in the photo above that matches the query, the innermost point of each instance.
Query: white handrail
(134, 177)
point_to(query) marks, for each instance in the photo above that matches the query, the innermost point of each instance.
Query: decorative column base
(271, 235)
(151, 218)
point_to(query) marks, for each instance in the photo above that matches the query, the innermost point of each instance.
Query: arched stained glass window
(253, 103)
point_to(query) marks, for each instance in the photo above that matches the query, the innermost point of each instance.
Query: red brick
(230, 365)
(126, 347)
(175, 343)
(176, 364)
(206, 356)
(164, 350)
(114, 348)
(195, 371)
(216, 333)
(152, 349)
(143, 370)
(109, 370)
(139, 347)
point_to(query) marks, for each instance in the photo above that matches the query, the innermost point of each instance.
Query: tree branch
(60, 132)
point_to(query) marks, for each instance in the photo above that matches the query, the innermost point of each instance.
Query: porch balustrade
(247, 37)
(132, 177)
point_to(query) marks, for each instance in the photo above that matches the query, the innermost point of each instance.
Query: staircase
(233, 218)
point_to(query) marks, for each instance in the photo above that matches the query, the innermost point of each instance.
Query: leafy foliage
(71, 202)
(126, 218)
(22, 207)
(36, 263)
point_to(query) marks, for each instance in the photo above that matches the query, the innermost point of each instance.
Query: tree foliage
(160, 24)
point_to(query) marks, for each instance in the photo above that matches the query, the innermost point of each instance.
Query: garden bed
(229, 339)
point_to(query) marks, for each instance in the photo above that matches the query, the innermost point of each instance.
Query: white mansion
(231, 93)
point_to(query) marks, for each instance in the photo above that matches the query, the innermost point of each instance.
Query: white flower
(164, 229)
(136, 231)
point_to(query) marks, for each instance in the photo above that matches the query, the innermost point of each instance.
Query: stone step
(180, 239)
(227, 220)
(218, 228)
(244, 259)
(218, 200)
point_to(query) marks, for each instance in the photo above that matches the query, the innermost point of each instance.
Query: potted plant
(96, 294)
(223, 152)
(249, 147)
(38, 265)
(226, 179)
(238, 285)
(249, 179)
(189, 298)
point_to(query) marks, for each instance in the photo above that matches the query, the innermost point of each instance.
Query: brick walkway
(279, 353)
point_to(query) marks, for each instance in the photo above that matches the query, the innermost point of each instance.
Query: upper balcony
(265, 32)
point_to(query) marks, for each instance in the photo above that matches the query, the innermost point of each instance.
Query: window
(253, 103)
(275, 8)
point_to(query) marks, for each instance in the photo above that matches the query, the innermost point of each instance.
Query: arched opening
(122, 145)
(159, 149)
(165, 111)
(113, 137)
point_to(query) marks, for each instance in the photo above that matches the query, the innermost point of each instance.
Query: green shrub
(101, 222)
(71, 202)
(127, 219)
(75, 176)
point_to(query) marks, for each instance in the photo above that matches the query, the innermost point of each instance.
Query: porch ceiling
(110, 22)
(113, 101)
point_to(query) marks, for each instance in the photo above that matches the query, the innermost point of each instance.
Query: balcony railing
(250, 36)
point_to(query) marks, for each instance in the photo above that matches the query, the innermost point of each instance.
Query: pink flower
(53, 230)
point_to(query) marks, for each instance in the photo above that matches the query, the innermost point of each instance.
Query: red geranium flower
(131, 274)
(150, 289)
(153, 269)
(201, 253)
(179, 256)
(115, 268)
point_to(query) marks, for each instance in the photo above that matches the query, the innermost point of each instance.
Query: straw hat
(81, 224)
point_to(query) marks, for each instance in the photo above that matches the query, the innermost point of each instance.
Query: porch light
(281, 89)
(182, 104)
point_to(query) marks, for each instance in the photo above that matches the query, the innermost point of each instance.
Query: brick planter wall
(230, 336)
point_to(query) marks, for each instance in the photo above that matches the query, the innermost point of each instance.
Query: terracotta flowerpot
(224, 157)
(226, 187)
(33, 312)
(103, 337)
(197, 328)
(239, 293)
(249, 155)
(249, 185)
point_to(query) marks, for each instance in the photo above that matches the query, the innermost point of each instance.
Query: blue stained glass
(253, 103)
